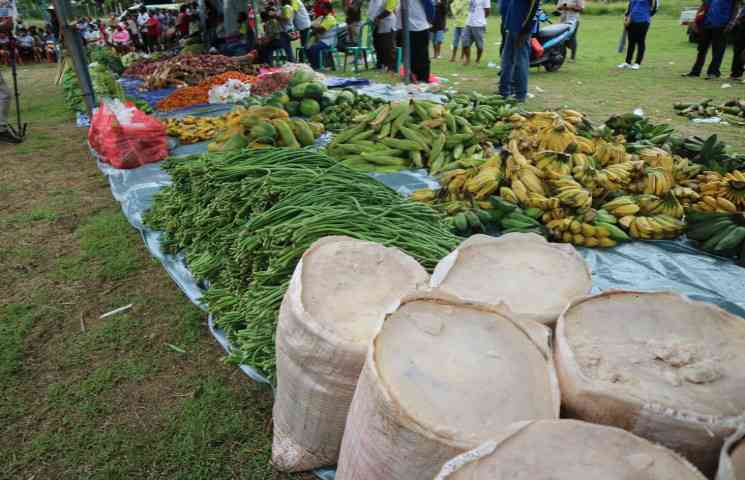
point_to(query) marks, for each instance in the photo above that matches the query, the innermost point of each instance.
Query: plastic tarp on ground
(131, 87)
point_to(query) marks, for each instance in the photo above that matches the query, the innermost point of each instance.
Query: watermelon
(309, 107)
(293, 108)
(314, 90)
(298, 91)
(301, 76)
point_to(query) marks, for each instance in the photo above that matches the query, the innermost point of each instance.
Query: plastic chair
(363, 48)
(279, 57)
(333, 55)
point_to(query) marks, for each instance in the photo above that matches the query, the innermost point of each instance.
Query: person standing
(6, 134)
(301, 20)
(285, 17)
(637, 19)
(570, 10)
(518, 17)
(383, 17)
(182, 22)
(439, 27)
(420, 11)
(738, 46)
(717, 20)
(478, 11)
(459, 10)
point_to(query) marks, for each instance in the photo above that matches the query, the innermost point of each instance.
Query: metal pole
(406, 40)
(74, 45)
(14, 73)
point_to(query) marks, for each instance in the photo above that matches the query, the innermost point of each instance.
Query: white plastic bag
(231, 91)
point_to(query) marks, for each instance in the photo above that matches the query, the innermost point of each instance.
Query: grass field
(82, 397)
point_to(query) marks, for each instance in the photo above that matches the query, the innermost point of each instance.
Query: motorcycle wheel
(557, 55)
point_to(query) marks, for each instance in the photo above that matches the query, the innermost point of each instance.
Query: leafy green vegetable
(244, 219)
(106, 57)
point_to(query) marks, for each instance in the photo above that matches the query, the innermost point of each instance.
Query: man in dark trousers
(718, 19)
(518, 17)
(420, 14)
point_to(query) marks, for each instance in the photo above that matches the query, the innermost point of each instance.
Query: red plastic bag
(537, 47)
(125, 137)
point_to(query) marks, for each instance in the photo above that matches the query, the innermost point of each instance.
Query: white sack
(338, 296)
(534, 278)
(656, 364)
(441, 377)
(568, 450)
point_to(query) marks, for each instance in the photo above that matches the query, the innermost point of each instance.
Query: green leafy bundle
(244, 219)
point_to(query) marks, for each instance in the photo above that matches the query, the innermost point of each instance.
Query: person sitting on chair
(25, 43)
(324, 28)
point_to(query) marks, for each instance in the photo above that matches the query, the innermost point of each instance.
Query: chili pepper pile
(199, 94)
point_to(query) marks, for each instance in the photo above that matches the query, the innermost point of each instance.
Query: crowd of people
(144, 30)
(32, 44)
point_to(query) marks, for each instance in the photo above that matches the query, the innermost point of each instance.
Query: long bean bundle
(244, 220)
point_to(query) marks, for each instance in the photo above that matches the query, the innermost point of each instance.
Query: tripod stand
(19, 130)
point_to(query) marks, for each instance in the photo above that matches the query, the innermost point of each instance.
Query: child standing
(459, 9)
(439, 26)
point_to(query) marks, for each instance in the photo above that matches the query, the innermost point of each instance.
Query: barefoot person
(459, 9)
(478, 11)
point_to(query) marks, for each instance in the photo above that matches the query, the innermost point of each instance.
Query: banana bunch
(585, 145)
(658, 181)
(608, 153)
(558, 137)
(656, 157)
(719, 233)
(536, 200)
(486, 179)
(586, 230)
(685, 195)
(558, 163)
(573, 117)
(653, 205)
(570, 192)
(191, 129)
(721, 193)
(656, 227)
(616, 176)
(732, 187)
(557, 213)
(684, 170)
(622, 206)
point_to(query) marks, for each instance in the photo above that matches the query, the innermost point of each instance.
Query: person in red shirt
(152, 35)
(182, 21)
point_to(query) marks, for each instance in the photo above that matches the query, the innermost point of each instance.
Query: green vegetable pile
(244, 219)
(104, 85)
(107, 57)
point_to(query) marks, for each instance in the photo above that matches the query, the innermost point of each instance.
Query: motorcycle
(548, 43)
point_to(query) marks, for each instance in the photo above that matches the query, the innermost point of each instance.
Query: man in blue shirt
(718, 19)
(518, 17)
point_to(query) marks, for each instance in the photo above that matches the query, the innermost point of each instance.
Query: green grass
(107, 249)
(16, 321)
